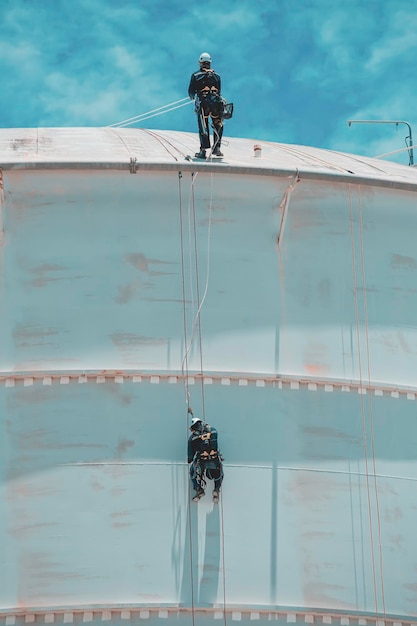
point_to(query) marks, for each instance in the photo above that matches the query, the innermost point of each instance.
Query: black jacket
(202, 441)
(203, 78)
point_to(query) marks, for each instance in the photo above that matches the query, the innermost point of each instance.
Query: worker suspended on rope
(205, 90)
(204, 458)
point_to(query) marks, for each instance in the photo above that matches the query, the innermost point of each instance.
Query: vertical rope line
(190, 266)
(187, 394)
(224, 563)
(371, 413)
(198, 318)
(355, 292)
(184, 365)
(190, 258)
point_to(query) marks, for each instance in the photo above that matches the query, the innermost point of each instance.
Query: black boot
(217, 151)
(201, 154)
(199, 493)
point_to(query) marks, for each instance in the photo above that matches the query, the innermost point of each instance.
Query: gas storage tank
(273, 291)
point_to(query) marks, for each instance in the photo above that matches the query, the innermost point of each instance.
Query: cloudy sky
(296, 70)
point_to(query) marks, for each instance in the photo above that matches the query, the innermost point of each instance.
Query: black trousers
(209, 106)
(199, 470)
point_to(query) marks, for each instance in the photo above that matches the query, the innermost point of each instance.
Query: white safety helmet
(204, 58)
(194, 422)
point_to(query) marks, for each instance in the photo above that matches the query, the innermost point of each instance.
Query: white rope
(145, 116)
(142, 119)
(197, 315)
(381, 156)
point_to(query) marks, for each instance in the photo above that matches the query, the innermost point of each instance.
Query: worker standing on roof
(205, 90)
(204, 458)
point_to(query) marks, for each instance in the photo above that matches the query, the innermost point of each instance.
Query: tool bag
(227, 110)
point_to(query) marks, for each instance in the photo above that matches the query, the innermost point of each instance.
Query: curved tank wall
(303, 358)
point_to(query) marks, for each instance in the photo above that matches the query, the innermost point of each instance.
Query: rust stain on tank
(393, 515)
(120, 514)
(25, 336)
(331, 433)
(403, 343)
(138, 261)
(119, 519)
(128, 292)
(46, 273)
(123, 446)
(315, 490)
(316, 534)
(34, 441)
(27, 397)
(303, 221)
(324, 288)
(22, 532)
(399, 261)
(96, 485)
(315, 368)
(130, 339)
(318, 593)
(141, 263)
(116, 391)
(397, 541)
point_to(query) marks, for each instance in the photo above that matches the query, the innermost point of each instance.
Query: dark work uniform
(205, 87)
(204, 456)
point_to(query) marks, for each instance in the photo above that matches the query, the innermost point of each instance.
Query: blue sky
(296, 70)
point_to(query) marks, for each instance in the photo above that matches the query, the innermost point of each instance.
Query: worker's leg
(197, 479)
(216, 110)
(217, 134)
(218, 476)
(194, 476)
(203, 128)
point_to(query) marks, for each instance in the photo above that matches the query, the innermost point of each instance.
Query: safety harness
(206, 460)
(225, 109)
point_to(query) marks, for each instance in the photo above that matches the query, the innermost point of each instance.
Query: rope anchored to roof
(167, 108)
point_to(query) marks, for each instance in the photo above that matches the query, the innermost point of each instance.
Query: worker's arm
(192, 90)
(190, 453)
(213, 439)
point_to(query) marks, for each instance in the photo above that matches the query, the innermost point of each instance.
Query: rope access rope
(197, 315)
(223, 563)
(187, 346)
(165, 142)
(386, 154)
(365, 447)
(197, 319)
(187, 394)
(167, 108)
(185, 359)
(371, 413)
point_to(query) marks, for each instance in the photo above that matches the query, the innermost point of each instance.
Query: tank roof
(120, 148)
